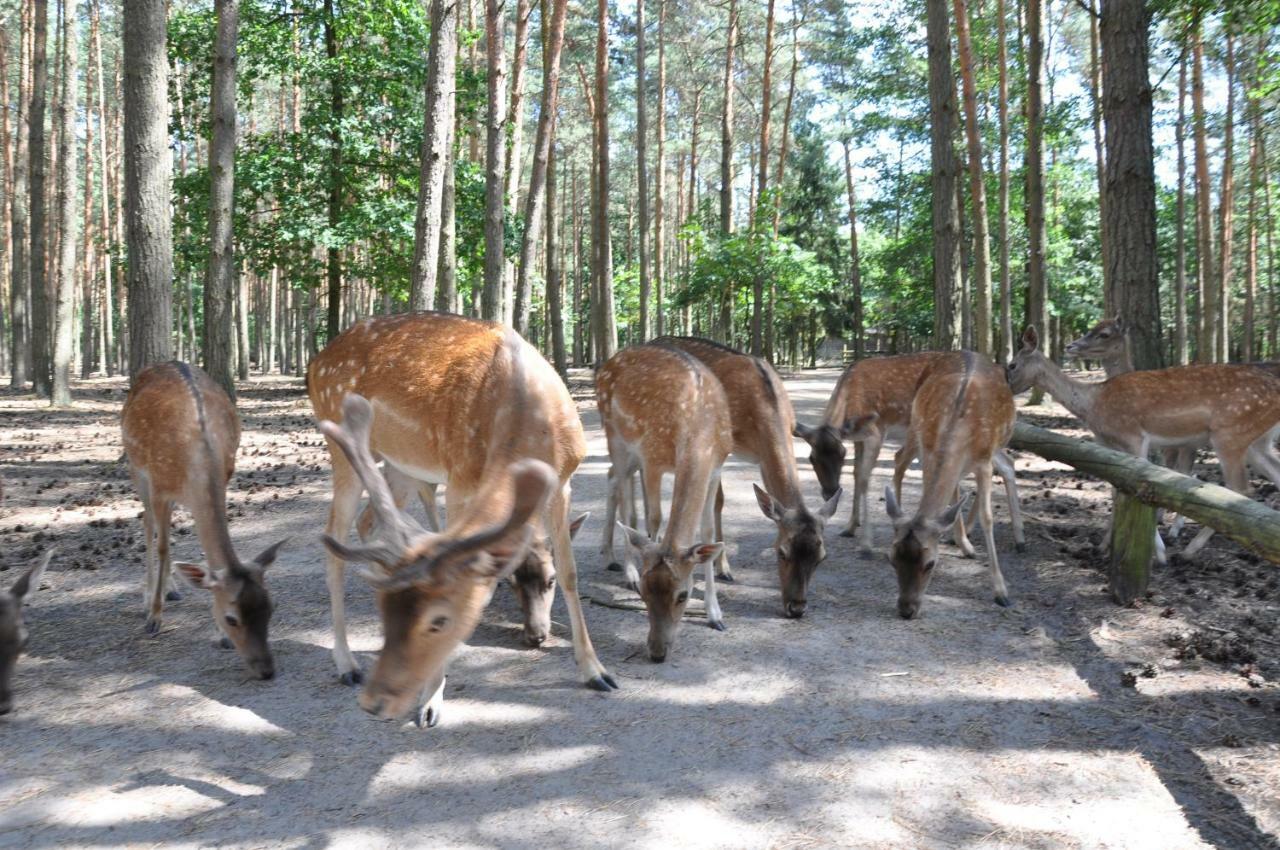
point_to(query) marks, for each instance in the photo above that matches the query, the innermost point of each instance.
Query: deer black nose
(796, 608)
(908, 610)
(657, 657)
(6, 705)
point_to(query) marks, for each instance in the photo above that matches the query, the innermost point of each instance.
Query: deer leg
(1004, 465)
(432, 702)
(1262, 454)
(722, 562)
(901, 463)
(988, 533)
(633, 515)
(959, 534)
(610, 519)
(859, 492)
(1179, 460)
(153, 594)
(710, 523)
(651, 493)
(427, 495)
(1236, 476)
(590, 671)
(866, 464)
(342, 510)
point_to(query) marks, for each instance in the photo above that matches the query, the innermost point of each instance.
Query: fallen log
(1249, 523)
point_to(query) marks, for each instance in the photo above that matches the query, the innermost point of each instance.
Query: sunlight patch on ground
(104, 806)
(422, 770)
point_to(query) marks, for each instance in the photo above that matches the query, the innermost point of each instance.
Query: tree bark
(1207, 291)
(148, 173)
(1180, 227)
(539, 179)
(220, 284)
(1037, 238)
(660, 179)
(6, 183)
(448, 299)
(514, 155)
(40, 351)
(981, 278)
(783, 149)
(65, 304)
(855, 270)
(642, 173)
(1249, 347)
(1006, 295)
(108, 311)
(19, 200)
(495, 169)
(605, 335)
(555, 275)
(436, 141)
(1227, 205)
(1099, 157)
(946, 214)
(762, 180)
(333, 264)
(726, 129)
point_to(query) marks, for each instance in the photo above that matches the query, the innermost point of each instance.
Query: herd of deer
(441, 399)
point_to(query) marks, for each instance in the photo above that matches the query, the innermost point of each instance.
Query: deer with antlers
(663, 413)
(1236, 410)
(13, 631)
(181, 433)
(870, 403)
(961, 418)
(441, 398)
(763, 423)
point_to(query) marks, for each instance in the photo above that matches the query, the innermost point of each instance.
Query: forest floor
(1061, 722)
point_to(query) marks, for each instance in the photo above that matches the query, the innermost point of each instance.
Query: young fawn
(181, 433)
(13, 631)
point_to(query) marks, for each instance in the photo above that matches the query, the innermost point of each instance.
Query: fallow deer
(13, 631)
(445, 399)
(181, 433)
(960, 420)
(763, 423)
(1236, 410)
(871, 402)
(664, 412)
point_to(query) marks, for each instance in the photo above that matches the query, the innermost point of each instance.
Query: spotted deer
(181, 433)
(445, 399)
(763, 422)
(872, 401)
(961, 418)
(1235, 410)
(663, 413)
(13, 631)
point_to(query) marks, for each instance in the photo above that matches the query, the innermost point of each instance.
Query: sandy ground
(974, 726)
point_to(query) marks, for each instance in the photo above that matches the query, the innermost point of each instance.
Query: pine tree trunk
(946, 215)
(642, 174)
(243, 352)
(514, 156)
(726, 131)
(1180, 226)
(539, 187)
(495, 172)
(6, 191)
(333, 265)
(981, 286)
(1227, 205)
(1207, 300)
(108, 284)
(555, 266)
(19, 200)
(660, 179)
(762, 180)
(1006, 295)
(855, 270)
(148, 168)
(448, 300)
(65, 305)
(1037, 238)
(221, 283)
(1249, 347)
(1099, 157)
(605, 335)
(436, 140)
(40, 349)
(779, 178)
(1130, 203)
(89, 355)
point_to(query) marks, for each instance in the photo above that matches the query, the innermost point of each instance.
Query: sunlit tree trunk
(555, 266)
(514, 156)
(19, 200)
(981, 286)
(855, 270)
(1180, 227)
(1207, 300)
(726, 126)
(605, 335)
(762, 180)
(333, 255)
(946, 214)
(660, 179)
(1249, 348)
(40, 351)
(1037, 238)
(642, 173)
(1227, 205)
(65, 306)
(1099, 155)
(1006, 295)
(221, 281)
(495, 172)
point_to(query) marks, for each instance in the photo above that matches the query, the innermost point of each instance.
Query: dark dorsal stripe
(970, 364)
(189, 377)
(697, 340)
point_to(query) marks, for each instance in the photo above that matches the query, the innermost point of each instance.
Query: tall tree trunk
(6, 183)
(1210, 309)
(1249, 348)
(726, 129)
(539, 187)
(1130, 181)
(449, 300)
(1006, 295)
(220, 283)
(333, 266)
(495, 170)
(660, 179)
(88, 272)
(1180, 227)
(977, 187)
(855, 270)
(108, 312)
(244, 354)
(1037, 237)
(605, 335)
(148, 170)
(779, 178)
(20, 263)
(40, 351)
(65, 305)
(1227, 204)
(513, 158)
(1099, 158)
(555, 266)
(642, 173)
(762, 179)
(946, 214)
(436, 140)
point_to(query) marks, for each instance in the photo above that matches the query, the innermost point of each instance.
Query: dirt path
(974, 726)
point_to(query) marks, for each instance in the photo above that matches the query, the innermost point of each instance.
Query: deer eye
(232, 620)
(928, 567)
(550, 585)
(439, 623)
(683, 597)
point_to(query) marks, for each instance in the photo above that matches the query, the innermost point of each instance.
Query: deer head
(1028, 365)
(1104, 341)
(799, 546)
(13, 633)
(827, 448)
(242, 607)
(534, 583)
(431, 588)
(914, 553)
(666, 578)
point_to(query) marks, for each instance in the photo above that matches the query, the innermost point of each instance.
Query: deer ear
(828, 508)
(948, 516)
(31, 578)
(700, 553)
(769, 506)
(856, 426)
(1120, 325)
(577, 524)
(267, 556)
(891, 505)
(198, 575)
(638, 539)
(1030, 339)
(804, 432)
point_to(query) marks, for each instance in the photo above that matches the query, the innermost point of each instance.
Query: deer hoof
(633, 586)
(427, 717)
(1020, 546)
(351, 678)
(866, 553)
(718, 625)
(224, 642)
(1003, 601)
(153, 626)
(848, 532)
(726, 577)
(614, 567)
(172, 596)
(603, 682)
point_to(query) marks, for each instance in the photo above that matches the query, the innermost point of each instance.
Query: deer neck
(209, 510)
(1119, 363)
(1076, 396)
(688, 495)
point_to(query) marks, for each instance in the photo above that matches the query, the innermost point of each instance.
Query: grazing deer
(181, 433)
(1236, 410)
(872, 401)
(13, 632)
(663, 412)
(763, 424)
(445, 399)
(960, 420)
